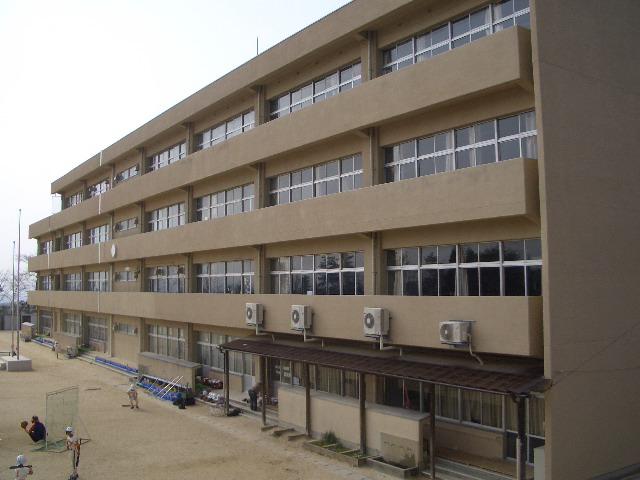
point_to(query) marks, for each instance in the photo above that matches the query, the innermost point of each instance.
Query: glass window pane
(509, 149)
(534, 280)
(484, 131)
(479, 18)
(407, 150)
(514, 281)
(464, 159)
(407, 170)
(426, 146)
(348, 283)
(472, 406)
(429, 279)
(529, 147)
(447, 281)
(333, 283)
(426, 166)
(533, 247)
(469, 252)
(410, 282)
(394, 282)
(508, 126)
(490, 281)
(469, 282)
(489, 252)
(321, 283)
(446, 254)
(513, 250)
(460, 26)
(428, 255)
(404, 49)
(485, 155)
(410, 256)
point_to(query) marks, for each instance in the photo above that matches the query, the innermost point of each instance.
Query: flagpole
(18, 285)
(13, 299)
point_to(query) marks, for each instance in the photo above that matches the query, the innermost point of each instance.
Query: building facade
(439, 161)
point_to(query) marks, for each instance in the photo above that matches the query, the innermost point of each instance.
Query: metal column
(521, 441)
(263, 387)
(307, 397)
(432, 430)
(363, 413)
(226, 382)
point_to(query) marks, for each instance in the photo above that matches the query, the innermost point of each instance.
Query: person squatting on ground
(132, 393)
(36, 431)
(22, 469)
(73, 444)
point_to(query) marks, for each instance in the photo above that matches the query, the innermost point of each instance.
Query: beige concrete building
(400, 210)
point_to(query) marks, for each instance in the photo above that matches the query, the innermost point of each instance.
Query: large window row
(454, 34)
(98, 234)
(73, 282)
(167, 157)
(225, 203)
(127, 224)
(166, 279)
(167, 341)
(233, 277)
(98, 188)
(225, 130)
(325, 179)
(486, 142)
(45, 247)
(72, 324)
(72, 200)
(98, 281)
(46, 282)
(325, 274)
(208, 353)
(97, 329)
(510, 267)
(166, 217)
(126, 174)
(73, 240)
(339, 81)
(322, 379)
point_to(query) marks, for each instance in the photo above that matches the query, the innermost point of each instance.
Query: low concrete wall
(167, 367)
(65, 340)
(468, 439)
(392, 432)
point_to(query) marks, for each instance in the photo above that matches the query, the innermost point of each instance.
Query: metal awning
(449, 375)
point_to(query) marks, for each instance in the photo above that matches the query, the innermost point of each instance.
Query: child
(21, 469)
(133, 396)
(73, 444)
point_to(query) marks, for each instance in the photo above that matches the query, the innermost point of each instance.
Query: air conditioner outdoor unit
(375, 322)
(253, 314)
(455, 332)
(301, 317)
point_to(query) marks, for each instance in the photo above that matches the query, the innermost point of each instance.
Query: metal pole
(362, 391)
(432, 430)
(521, 444)
(18, 293)
(307, 399)
(13, 299)
(263, 388)
(226, 382)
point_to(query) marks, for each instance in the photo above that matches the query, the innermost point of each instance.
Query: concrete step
(281, 431)
(296, 436)
(266, 428)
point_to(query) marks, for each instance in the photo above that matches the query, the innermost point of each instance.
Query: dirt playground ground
(157, 442)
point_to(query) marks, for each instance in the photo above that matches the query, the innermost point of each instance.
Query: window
(46, 282)
(45, 247)
(225, 130)
(73, 199)
(98, 234)
(337, 81)
(486, 142)
(73, 240)
(325, 179)
(166, 157)
(324, 274)
(125, 329)
(225, 203)
(233, 277)
(482, 408)
(98, 281)
(73, 282)
(72, 324)
(457, 33)
(98, 188)
(166, 217)
(124, 225)
(126, 174)
(45, 322)
(166, 279)
(207, 351)
(97, 329)
(511, 267)
(167, 341)
(125, 276)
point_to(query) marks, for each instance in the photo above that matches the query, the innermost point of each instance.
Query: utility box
(27, 331)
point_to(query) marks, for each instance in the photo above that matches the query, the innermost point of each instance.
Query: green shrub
(329, 438)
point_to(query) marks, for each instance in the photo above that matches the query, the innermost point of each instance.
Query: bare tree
(26, 282)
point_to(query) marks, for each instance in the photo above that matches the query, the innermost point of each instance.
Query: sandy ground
(157, 442)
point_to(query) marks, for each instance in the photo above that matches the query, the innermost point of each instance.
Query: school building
(414, 222)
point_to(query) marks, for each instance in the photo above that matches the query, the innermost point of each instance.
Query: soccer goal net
(61, 412)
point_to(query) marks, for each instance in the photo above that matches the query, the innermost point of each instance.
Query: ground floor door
(97, 334)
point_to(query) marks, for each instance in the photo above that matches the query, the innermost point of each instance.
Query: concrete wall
(126, 347)
(587, 75)
(168, 368)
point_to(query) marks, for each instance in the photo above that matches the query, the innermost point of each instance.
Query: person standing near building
(22, 469)
(132, 393)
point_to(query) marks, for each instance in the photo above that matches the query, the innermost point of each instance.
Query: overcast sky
(75, 76)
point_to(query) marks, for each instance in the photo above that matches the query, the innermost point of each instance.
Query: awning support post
(432, 430)
(521, 444)
(307, 396)
(362, 390)
(263, 387)
(226, 382)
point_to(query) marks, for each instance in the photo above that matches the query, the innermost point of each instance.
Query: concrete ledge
(12, 364)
